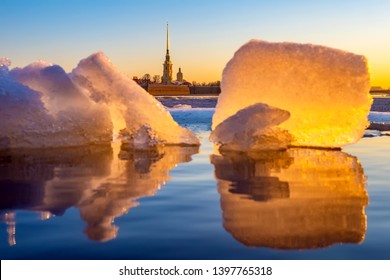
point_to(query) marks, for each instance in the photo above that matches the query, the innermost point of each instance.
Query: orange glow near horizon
(380, 76)
(196, 71)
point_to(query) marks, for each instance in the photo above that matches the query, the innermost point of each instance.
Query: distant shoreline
(380, 104)
(204, 95)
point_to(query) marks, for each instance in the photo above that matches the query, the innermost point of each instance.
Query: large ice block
(27, 123)
(325, 90)
(43, 106)
(78, 119)
(135, 112)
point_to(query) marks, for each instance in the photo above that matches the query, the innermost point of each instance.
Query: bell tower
(179, 76)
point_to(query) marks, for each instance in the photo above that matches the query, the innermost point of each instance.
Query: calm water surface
(191, 203)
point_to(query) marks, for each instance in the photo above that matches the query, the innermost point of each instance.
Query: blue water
(379, 117)
(187, 203)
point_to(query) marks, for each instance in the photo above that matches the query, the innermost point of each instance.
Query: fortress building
(168, 86)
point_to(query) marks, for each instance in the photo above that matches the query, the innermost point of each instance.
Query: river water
(194, 203)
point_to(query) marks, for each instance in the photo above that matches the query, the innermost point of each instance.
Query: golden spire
(167, 39)
(167, 70)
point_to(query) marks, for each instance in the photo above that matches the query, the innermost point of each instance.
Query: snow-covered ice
(78, 119)
(5, 62)
(135, 113)
(325, 90)
(26, 120)
(182, 106)
(380, 124)
(43, 106)
(253, 128)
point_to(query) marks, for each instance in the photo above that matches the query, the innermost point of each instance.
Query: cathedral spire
(167, 66)
(167, 37)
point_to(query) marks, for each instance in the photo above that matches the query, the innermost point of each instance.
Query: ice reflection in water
(295, 199)
(101, 182)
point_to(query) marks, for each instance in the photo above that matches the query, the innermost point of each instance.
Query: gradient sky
(203, 34)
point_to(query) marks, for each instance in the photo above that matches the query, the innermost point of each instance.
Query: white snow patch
(182, 106)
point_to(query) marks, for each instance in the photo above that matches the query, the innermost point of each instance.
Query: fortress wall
(205, 89)
(168, 90)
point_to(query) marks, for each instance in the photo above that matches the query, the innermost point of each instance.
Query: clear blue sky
(203, 34)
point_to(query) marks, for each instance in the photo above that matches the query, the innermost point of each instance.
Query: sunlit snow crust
(325, 90)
